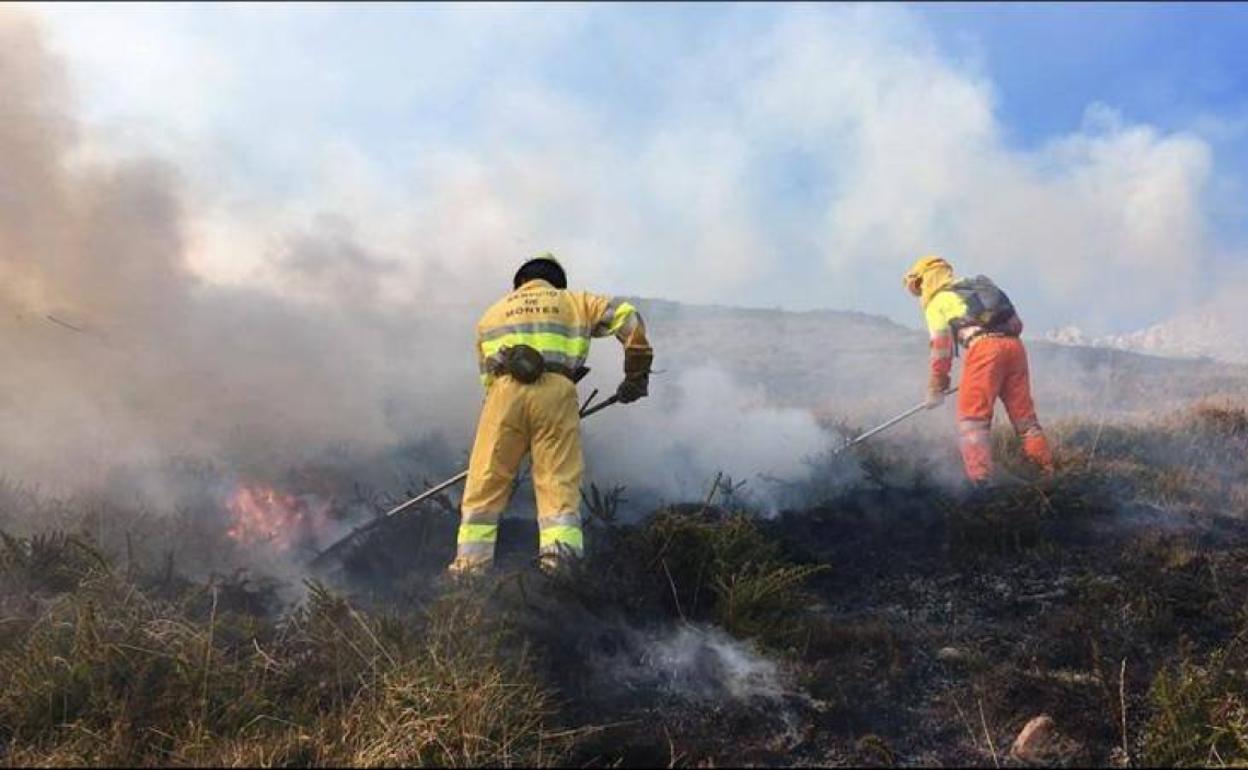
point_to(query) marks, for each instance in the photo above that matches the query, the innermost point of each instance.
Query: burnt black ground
(1035, 595)
(943, 620)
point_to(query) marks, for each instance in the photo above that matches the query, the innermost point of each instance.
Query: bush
(1200, 712)
(724, 569)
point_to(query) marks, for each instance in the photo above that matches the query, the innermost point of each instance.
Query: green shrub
(726, 570)
(1200, 713)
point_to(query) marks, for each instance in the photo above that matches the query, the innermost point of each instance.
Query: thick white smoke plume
(178, 306)
(117, 353)
(702, 422)
(121, 357)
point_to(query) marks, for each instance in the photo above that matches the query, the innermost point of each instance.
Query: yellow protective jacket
(559, 324)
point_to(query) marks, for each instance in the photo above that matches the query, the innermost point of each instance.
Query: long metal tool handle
(428, 493)
(586, 411)
(886, 425)
(368, 526)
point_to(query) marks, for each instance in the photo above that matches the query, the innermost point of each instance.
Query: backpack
(986, 305)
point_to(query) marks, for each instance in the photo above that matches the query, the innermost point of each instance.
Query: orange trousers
(996, 367)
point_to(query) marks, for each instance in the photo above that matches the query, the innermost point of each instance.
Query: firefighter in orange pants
(976, 315)
(531, 349)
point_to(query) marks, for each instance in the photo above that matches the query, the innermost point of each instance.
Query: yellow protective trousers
(541, 419)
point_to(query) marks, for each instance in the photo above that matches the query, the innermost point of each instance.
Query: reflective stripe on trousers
(996, 367)
(561, 533)
(517, 420)
(478, 532)
(975, 443)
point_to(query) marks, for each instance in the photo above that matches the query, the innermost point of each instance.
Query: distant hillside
(848, 363)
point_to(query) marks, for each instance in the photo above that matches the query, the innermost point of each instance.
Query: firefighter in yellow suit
(531, 347)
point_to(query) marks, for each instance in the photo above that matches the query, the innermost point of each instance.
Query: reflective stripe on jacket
(556, 322)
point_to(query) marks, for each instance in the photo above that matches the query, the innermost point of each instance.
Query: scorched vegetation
(897, 621)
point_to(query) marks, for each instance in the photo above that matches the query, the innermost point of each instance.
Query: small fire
(262, 515)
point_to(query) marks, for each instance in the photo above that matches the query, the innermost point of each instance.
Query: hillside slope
(859, 365)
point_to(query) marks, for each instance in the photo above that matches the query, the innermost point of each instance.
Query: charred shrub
(995, 523)
(1016, 517)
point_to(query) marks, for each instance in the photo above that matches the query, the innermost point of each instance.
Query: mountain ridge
(845, 361)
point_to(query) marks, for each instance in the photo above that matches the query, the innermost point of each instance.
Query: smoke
(1215, 328)
(340, 350)
(1100, 224)
(119, 354)
(698, 663)
(700, 423)
(181, 307)
(701, 667)
(730, 151)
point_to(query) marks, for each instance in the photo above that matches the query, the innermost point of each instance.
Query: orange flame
(262, 515)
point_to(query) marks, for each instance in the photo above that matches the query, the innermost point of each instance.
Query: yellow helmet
(913, 279)
(544, 266)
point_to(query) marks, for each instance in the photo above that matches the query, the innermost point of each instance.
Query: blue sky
(787, 156)
(1173, 65)
(1168, 64)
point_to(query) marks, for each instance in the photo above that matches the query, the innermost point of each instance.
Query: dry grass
(142, 666)
(1193, 459)
(106, 674)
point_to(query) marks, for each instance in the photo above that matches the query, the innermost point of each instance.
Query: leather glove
(633, 388)
(637, 362)
(636, 382)
(934, 399)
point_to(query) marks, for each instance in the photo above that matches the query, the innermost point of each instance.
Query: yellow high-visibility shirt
(942, 310)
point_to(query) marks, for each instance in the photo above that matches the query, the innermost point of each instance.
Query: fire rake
(886, 425)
